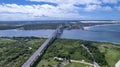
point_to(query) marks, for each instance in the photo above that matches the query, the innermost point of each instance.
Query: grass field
(77, 65)
(49, 62)
(112, 53)
(15, 51)
(105, 54)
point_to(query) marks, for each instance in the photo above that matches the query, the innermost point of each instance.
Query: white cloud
(110, 1)
(70, 1)
(118, 8)
(97, 7)
(92, 7)
(78, 1)
(65, 9)
(37, 11)
(107, 8)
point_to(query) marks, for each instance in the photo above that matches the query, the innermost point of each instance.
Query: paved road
(96, 64)
(39, 51)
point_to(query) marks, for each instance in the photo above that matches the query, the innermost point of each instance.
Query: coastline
(86, 30)
(115, 43)
(88, 27)
(66, 39)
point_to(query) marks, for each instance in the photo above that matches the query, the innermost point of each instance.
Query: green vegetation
(51, 62)
(15, 51)
(41, 26)
(36, 25)
(77, 65)
(105, 54)
(112, 53)
(47, 62)
(7, 26)
(30, 26)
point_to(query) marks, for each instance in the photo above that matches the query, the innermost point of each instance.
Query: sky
(15, 10)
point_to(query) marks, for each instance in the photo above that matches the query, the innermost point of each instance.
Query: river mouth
(98, 34)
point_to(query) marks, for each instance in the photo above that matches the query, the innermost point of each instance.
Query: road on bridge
(42, 48)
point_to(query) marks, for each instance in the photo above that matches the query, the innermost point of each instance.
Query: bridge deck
(39, 51)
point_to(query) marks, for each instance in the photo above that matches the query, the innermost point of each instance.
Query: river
(102, 33)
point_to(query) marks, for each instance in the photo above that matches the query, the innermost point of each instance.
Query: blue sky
(13, 10)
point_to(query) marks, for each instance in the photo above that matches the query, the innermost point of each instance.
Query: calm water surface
(26, 33)
(104, 33)
(113, 37)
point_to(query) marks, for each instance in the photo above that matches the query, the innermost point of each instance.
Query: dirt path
(83, 62)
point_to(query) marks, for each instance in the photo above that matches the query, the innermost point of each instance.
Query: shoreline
(67, 39)
(88, 27)
(94, 41)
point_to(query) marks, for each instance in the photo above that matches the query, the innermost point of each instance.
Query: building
(117, 64)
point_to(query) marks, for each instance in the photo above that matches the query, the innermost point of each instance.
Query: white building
(117, 64)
